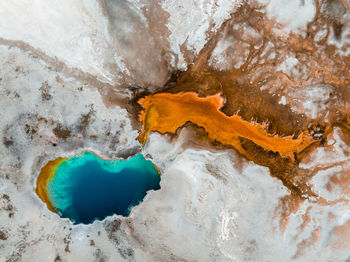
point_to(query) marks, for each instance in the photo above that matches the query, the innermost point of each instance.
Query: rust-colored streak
(165, 113)
(46, 174)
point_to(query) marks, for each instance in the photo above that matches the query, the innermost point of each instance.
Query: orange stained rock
(165, 113)
(46, 174)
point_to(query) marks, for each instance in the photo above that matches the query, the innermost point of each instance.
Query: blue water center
(86, 187)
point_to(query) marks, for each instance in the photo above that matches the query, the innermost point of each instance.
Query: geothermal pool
(85, 188)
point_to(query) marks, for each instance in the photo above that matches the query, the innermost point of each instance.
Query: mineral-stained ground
(243, 105)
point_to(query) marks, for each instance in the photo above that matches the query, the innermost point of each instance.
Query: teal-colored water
(86, 187)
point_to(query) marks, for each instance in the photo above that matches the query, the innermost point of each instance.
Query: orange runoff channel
(165, 113)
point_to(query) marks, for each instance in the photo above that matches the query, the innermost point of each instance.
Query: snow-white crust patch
(293, 15)
(221, 210)
(73, 32)
(313, 100)
(206, 202)
(191, 21)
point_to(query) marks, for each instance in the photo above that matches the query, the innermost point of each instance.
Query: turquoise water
(86, 187)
